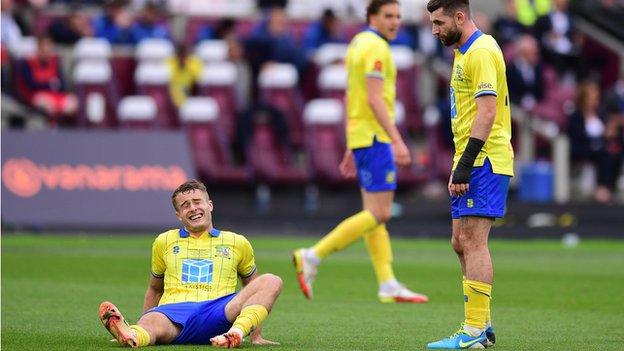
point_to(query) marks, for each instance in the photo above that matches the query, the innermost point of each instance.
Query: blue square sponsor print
(196, 271)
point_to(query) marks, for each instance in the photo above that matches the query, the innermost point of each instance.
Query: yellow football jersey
(200, 269)
(368, 55)
(479, 69)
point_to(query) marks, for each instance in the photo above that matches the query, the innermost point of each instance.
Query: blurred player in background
(191, 297)
(483, 162)
(374, 145)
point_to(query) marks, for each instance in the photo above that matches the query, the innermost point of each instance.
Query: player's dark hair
(449, 7)
(375, 5)
(191, 184)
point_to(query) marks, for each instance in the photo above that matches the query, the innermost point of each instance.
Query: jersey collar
(377, 32)
(214, 232)
(464, 48)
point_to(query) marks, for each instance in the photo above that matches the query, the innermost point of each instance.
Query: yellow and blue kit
(368, 56)
(200, 278)
(478, 70)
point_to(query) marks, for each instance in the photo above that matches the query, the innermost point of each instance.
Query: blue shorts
(200, 321)
(486, 197)
(375, 167)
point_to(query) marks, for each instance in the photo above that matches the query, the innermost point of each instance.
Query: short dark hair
(449, 6)
(191, 184)
(375, 5)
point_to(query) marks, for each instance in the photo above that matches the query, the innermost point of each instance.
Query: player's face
(194, 210)
(444, 27)
(387, 20)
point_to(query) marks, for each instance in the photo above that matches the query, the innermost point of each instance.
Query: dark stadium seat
(218, 80)
(558, 96)
(325, 140)
(209, 145)
(152, 78)
(271, 161)
(415, 173)
(97, 97)
(278, 88)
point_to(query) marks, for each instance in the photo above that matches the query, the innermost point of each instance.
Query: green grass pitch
(546, 297)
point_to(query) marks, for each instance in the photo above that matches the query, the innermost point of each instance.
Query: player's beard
(452, 37)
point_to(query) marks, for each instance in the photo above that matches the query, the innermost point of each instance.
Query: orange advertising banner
(94, 179)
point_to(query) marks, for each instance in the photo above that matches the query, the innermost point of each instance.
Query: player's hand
(262, 341)
(401, 154)
(257, 339)
(347, 165)
(457, 189)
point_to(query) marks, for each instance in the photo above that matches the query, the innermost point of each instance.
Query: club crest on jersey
(223, 251)
(459, 73)
(176, 250)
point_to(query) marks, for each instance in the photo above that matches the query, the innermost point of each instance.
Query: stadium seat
(218, 80)
(271, 161)
(92, 49)
(212, 50)
(154, 50)
(330, 53)
(558, 97)
(278, 87)
(332, 81)
(210, 147)
(138, 112)
(325, 140)
(27, 47)
(97, 98)
(152, 78)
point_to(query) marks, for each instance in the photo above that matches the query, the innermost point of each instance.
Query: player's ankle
(237, 331)
(473, 331)
(311, 257)
(389, 285)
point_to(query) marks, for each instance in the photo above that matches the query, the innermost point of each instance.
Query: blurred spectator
(592, 142)
(147, 26)
(224, 30)
(555, 32)
(525, 74)
(185, 71)
(269, 4)
(507, 28)
(530, 10)
(71, 29)
(45, 87)
(272, 42)
(10, 33)
(405, 37)
(115, 24)
(257, 115)
(324, 31)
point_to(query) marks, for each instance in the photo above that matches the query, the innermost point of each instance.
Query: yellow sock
(250, 318)
(143, 337)
(378, 244)
(345, 233)
(476, 303)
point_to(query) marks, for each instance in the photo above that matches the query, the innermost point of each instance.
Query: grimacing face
(444, 27)
(387, 20)
(194, 210)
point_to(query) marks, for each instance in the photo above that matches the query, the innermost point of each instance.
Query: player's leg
(248, 309)
(380, 250)
(152, 328)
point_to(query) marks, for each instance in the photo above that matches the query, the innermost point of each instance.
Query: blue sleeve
(30, 80)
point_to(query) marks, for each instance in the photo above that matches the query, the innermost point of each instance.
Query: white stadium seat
(323, 111)
(154, 50)
(212, 50)
(219, 74)
(137, 108)
(278, 75)
(92, 49)
(199, 109)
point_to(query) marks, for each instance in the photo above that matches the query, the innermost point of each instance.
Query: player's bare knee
(456, 245)
(273, 283)
(383, 215)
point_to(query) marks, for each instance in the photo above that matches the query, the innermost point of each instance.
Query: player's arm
(374, 91)
(248, 279)
(479, 132)
(155, 290)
